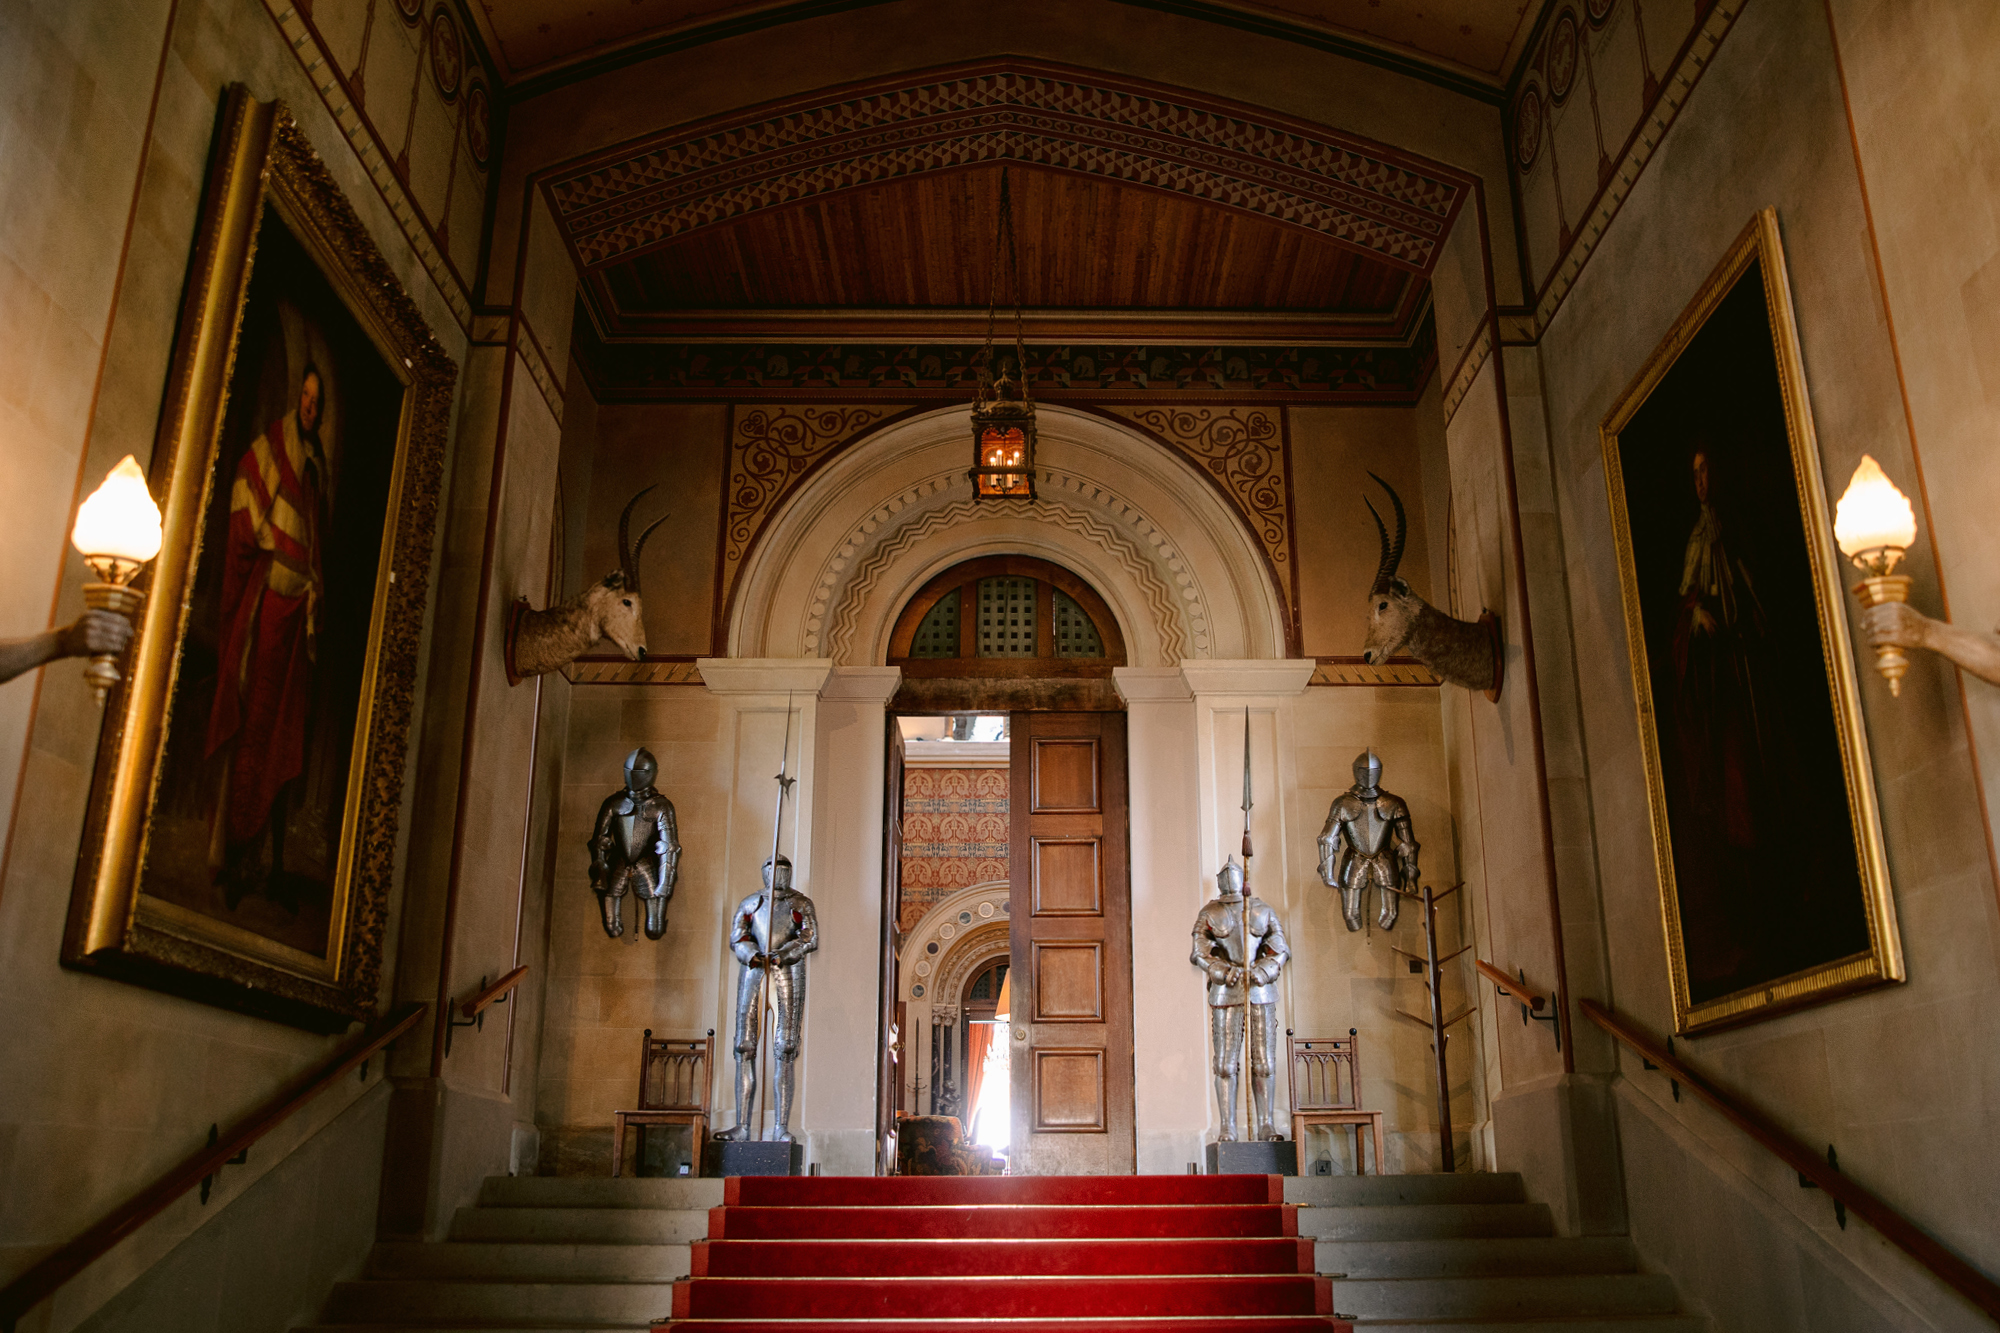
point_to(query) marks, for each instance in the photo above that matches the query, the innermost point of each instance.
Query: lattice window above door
(1076, 636)
(1007, 617)
(937, 634)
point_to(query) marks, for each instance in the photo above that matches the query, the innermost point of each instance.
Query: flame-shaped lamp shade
(117, 531)
(1874, 525)
(119, 521)
(1873, 514)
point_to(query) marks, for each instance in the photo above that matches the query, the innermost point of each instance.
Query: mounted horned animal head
(542, 641)
(1463, 652)
(620, 616)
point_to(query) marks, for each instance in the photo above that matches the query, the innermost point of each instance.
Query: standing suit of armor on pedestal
(1367, 841)
(773, 931)
(1220, 952)
(635, 849)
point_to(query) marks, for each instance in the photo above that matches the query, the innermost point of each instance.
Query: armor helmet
(783, 875)
(640, 769)
(1229, 879)
(1367, 769)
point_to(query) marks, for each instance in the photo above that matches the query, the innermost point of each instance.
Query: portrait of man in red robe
(272, 590)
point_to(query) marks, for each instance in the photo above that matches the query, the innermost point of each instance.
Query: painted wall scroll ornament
(542, 641)
(635, 850)
(1464, 652)
(1367, 842)
(1225, 958)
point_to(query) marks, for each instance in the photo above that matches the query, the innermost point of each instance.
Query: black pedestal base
(1275, 1158)
(721, 1158)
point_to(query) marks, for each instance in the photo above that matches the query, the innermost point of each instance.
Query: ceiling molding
(1491, 92)
(1196, 328)
(1449, 76)
(1392, 206)
(586, 67)
(1094, 373)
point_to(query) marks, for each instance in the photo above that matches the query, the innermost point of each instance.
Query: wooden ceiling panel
(927, 242)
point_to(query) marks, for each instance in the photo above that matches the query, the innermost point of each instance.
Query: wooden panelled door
(1070, 900)
(891, 1039)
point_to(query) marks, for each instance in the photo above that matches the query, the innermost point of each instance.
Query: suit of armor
(1220, 952)
(635, 849)
(771, 934)
(1367, 842)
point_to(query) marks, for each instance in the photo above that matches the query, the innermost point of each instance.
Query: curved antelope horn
(1392, 552)
(628, 553)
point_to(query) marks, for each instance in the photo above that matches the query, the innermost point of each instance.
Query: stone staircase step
(1417, 1254)
(1487, 1256)
(1362, 1191)
(1426, 1221)
(1570, 1295)
(501, 1304)
(1633, 1323)
(469, 1326)
(583, 1226)
(598, 1192)
(501, 1261)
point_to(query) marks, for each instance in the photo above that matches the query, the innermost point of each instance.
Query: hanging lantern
(1003, 410)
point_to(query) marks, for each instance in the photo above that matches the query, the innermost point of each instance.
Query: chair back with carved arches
(1325, 1082)
(674, 1073)
(1325, 1072)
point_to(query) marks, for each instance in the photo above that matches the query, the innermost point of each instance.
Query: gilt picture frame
(1773, 882)
(240, 842)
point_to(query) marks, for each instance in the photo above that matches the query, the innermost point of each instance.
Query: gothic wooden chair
(1325, 1074)
(675, 1078)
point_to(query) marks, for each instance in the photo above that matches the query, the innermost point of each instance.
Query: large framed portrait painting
(1773, 885)
(241, 841)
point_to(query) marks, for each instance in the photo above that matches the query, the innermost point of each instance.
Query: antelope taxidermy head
(542, 641)
(1463, 652)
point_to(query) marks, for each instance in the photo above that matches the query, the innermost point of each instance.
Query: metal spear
(770, 1004)
(1249, 954)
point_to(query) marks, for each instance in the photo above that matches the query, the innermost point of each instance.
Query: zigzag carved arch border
(837, 601)
(1391, 205)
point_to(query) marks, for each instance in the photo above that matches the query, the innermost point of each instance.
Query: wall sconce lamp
(117, 532)
(1874, 525)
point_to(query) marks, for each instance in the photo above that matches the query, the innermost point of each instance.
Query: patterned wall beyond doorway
(954, 834)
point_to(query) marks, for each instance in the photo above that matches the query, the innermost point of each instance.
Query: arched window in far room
(1006, 616)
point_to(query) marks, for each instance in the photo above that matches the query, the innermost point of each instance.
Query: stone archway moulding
(1176, 562)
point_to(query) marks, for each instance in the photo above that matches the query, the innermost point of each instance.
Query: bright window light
(990, 1123)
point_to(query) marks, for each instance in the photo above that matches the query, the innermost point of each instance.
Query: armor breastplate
(1369, 828)
(775, 922)
(1223, 930)
(628, 835)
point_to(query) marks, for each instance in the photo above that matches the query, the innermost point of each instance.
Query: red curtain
(978, 1041)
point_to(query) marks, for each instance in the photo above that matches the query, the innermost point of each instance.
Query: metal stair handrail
(46, 1277)
(1919, 1244)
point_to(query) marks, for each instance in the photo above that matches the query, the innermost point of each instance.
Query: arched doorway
(1027, 637)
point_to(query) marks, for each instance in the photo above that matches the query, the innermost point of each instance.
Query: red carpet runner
(1099, 1254)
